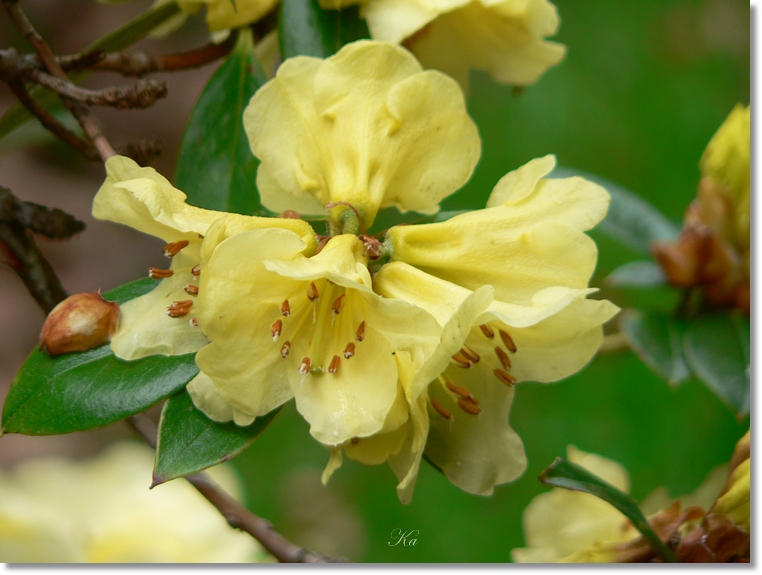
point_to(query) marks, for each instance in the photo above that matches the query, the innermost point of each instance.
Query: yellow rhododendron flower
(283, 325)
(505, 38)
(158, 322)
(101, 510)
(366, 126)
(529, 246)
(220, 14)
(574, 527)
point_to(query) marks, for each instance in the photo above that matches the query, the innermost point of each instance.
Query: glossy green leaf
(216, 167)
(568, 475)
(718, 351)
(657, 339)
(117, 40)
(189, 441)
(631, 220)
(306, 29)
(79, 391)
(639, 274)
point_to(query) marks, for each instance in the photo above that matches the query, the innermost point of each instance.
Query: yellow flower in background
(283, 325)
(505, 38)
(101, 510)
(574, 527)
(158, 322)
(529, 245)
(220, 14)
(367, 126)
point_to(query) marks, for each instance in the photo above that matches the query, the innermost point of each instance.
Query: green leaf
(79, 391)
(717, 349)
(117, 40)
(657, 339)
(630, 220)
(216, 167)
(568, 475)
(306, 29)
(640, 274)
(189, 441)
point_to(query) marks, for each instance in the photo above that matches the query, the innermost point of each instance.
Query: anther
(191, 289)
(171, 249)
(349, 351)
(469, 406)
(360, 335)
(506, 378)
(186, 303)
(194, 322)
(285, 308)
(355, 440)
(441, 410)
(312, 292)
(196, 271)
(304, 369)
(507, 341)
(470, 354)
(334, 367)
(458, 390)
(460, 361)
(285, 349)
(504, 359)
(275, 329)
(159, 274)
(338, 304)
(179, 308)
(487, 330)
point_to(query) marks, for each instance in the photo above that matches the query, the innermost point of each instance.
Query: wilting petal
(366, 126)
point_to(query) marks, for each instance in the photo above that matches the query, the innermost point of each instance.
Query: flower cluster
(393, 347)
(53, 510)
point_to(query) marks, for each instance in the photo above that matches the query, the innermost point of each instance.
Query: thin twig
(83, 115)
(236, 514)
(19, 251)
(142, 94)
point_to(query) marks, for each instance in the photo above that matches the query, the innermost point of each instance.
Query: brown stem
(83, 115)
(142, 94)
(140, 63)
(19, 251)
(236, 514)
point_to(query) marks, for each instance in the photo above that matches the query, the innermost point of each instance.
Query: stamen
(334, 367)
(304, 369)
(507, 341)
(469, 353)
(285, 308)
(441, 410)
(159, 274)
(196, 271)
(487, 330)
(504, 359)
(469, 406)
(312, 292)
(179, 308)
(458, 390)
(460, 361)
(285, 349)
(360, 335)
(275, 329)
(191, 289)
(194, 322)
(355, 440)
(349, 351)
(172, 248)
(338, 304)
(506, 378)
(186, 303)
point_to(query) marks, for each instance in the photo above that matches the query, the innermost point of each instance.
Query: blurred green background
(643, 88)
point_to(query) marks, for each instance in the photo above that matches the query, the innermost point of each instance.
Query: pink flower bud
(80, 322)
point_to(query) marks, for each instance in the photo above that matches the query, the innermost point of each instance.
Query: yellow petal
(206, 398)
(365, 126)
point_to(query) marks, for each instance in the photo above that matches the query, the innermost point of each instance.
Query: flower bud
(80, 322)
